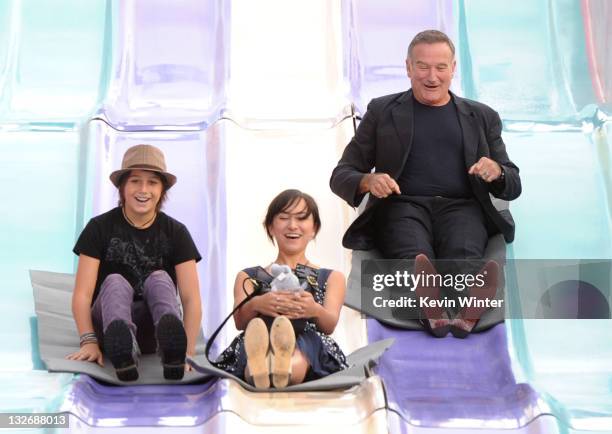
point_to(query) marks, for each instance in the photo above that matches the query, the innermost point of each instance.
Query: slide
(249, 98)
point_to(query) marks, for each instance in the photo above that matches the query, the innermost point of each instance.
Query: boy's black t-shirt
(135, 253)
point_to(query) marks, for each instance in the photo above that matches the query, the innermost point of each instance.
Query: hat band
(145, 167)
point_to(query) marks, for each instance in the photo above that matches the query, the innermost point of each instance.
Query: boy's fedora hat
(143, 157)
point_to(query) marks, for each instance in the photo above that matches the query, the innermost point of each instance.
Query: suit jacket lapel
(403, 121)
(469, 130)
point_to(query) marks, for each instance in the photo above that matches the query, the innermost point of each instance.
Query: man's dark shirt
(436, 163)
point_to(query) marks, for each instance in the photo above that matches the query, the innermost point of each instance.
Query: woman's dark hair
(286, 200)
(123, 180)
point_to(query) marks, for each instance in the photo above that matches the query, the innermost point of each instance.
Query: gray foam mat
(496, 250)
(360, 363)
(58, 336)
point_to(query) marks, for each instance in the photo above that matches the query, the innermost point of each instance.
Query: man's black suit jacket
(383, 141)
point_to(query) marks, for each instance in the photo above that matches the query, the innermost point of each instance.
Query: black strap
(257, 290)
(323, 276)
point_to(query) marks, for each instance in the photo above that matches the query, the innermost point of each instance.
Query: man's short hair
(430, 37)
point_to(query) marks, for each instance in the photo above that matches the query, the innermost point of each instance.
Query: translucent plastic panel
(527, 61)
(286, 61)
(563, 213)
(169, 64)
(376, 38)
(563, 210)
(52, 56)
(32, 392)
(197, 199)
(261, 164)
(597, 15)
(40, 178)
(545, 424)
(601, 140)
(569, 360)
(182, 407)
(454, 383)
(103, 406)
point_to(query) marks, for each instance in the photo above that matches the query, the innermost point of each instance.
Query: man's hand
(487, 169)
(380, 185)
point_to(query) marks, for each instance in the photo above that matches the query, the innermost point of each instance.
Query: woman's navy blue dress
(323, 353)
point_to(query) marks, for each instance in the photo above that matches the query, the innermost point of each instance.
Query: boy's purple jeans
(116, 301)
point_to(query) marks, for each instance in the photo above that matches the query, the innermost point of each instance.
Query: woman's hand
(275, 303)
(88, 352)
(303, 306)
(289, 304)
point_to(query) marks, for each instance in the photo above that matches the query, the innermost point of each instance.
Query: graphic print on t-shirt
(139, 257)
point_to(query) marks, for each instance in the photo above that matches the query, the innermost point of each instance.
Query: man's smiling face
(431, 68)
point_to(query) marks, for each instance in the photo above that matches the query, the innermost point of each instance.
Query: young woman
(131, 260)
(290, 356)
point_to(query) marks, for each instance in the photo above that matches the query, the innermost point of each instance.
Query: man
(436, 158)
